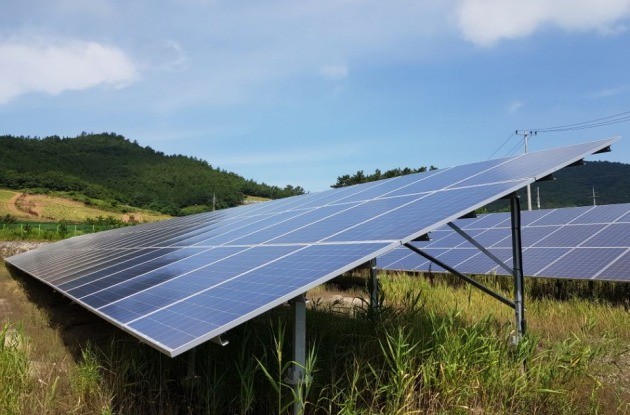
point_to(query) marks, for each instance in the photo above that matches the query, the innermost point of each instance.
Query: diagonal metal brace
(462, 276)
(481, 248)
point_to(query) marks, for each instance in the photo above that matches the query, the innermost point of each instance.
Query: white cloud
(334, 72)
(485, 22)
(55, 66)
(175, 58)
(515, 106)
(609, 92)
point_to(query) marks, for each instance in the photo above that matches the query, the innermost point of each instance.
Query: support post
(517, 257)
(298, 305)
(526, 134)
(373, 285)
(191, 365)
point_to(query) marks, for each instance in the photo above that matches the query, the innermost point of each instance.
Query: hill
(108, 166)
(574, 186)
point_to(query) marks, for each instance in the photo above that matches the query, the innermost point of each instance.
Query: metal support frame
(480, 247)
(516, 271)
(298, 306)
(517, 259)
(373, 285)
(462, 276)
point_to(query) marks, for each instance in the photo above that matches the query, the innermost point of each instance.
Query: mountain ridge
(110, 167)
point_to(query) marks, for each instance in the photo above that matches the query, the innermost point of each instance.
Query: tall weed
(14, 367)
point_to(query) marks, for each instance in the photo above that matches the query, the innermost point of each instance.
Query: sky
(302, 91)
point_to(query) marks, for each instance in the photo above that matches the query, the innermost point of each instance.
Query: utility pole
(214, 202)
(526, 134)
(594, 197)
(538, 197)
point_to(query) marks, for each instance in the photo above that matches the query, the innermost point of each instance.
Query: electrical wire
(598, 122)
(501, 146)
(515, 148)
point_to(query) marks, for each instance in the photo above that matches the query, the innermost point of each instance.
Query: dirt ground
(12, 205)
(8, 248)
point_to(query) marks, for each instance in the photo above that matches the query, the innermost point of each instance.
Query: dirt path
(27, 204)
(12, 206)
(21, 205)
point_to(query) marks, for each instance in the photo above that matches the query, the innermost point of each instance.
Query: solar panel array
(181, 282)
(591, 242)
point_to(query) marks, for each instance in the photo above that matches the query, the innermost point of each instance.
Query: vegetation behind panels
(571, 186)
(108, 166)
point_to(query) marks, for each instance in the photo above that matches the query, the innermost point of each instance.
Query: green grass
(430, 349)
(32, 231)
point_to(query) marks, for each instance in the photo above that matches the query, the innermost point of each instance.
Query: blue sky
(301, 92)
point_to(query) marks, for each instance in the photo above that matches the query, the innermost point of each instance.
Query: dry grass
(7, 205)
(56, 209)
(593, 323)
(432, 349)
(255, 199)
(56, 381)
(43, 208)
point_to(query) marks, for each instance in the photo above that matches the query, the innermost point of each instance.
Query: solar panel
(181, 282)
(589, 242)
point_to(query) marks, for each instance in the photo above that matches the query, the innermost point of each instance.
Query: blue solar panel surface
(181, 282)
(591, 242)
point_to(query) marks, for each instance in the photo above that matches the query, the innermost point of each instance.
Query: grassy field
(433, 348)
(49, 208)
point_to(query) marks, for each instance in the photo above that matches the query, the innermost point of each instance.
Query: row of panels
(591, 242)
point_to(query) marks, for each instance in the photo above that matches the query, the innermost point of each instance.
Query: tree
(360, 177)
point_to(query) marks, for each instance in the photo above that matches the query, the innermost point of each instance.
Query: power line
(598, 122)
(501, 146)
(618, 118)
(515, 148)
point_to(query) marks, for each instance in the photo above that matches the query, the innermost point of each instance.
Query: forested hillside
(572, 186)
(108, 166)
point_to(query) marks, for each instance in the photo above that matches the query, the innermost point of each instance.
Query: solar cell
(533, 216)
(581, 263)
(178, 283)
(487, 221)
(569, 235)
(559, 216)
(609, 214)
(478, 261)
(617, 270)
(614, 234)
(446, 238)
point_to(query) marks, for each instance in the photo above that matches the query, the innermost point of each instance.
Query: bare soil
(9, 248)
(27, 205)
(13, 205)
